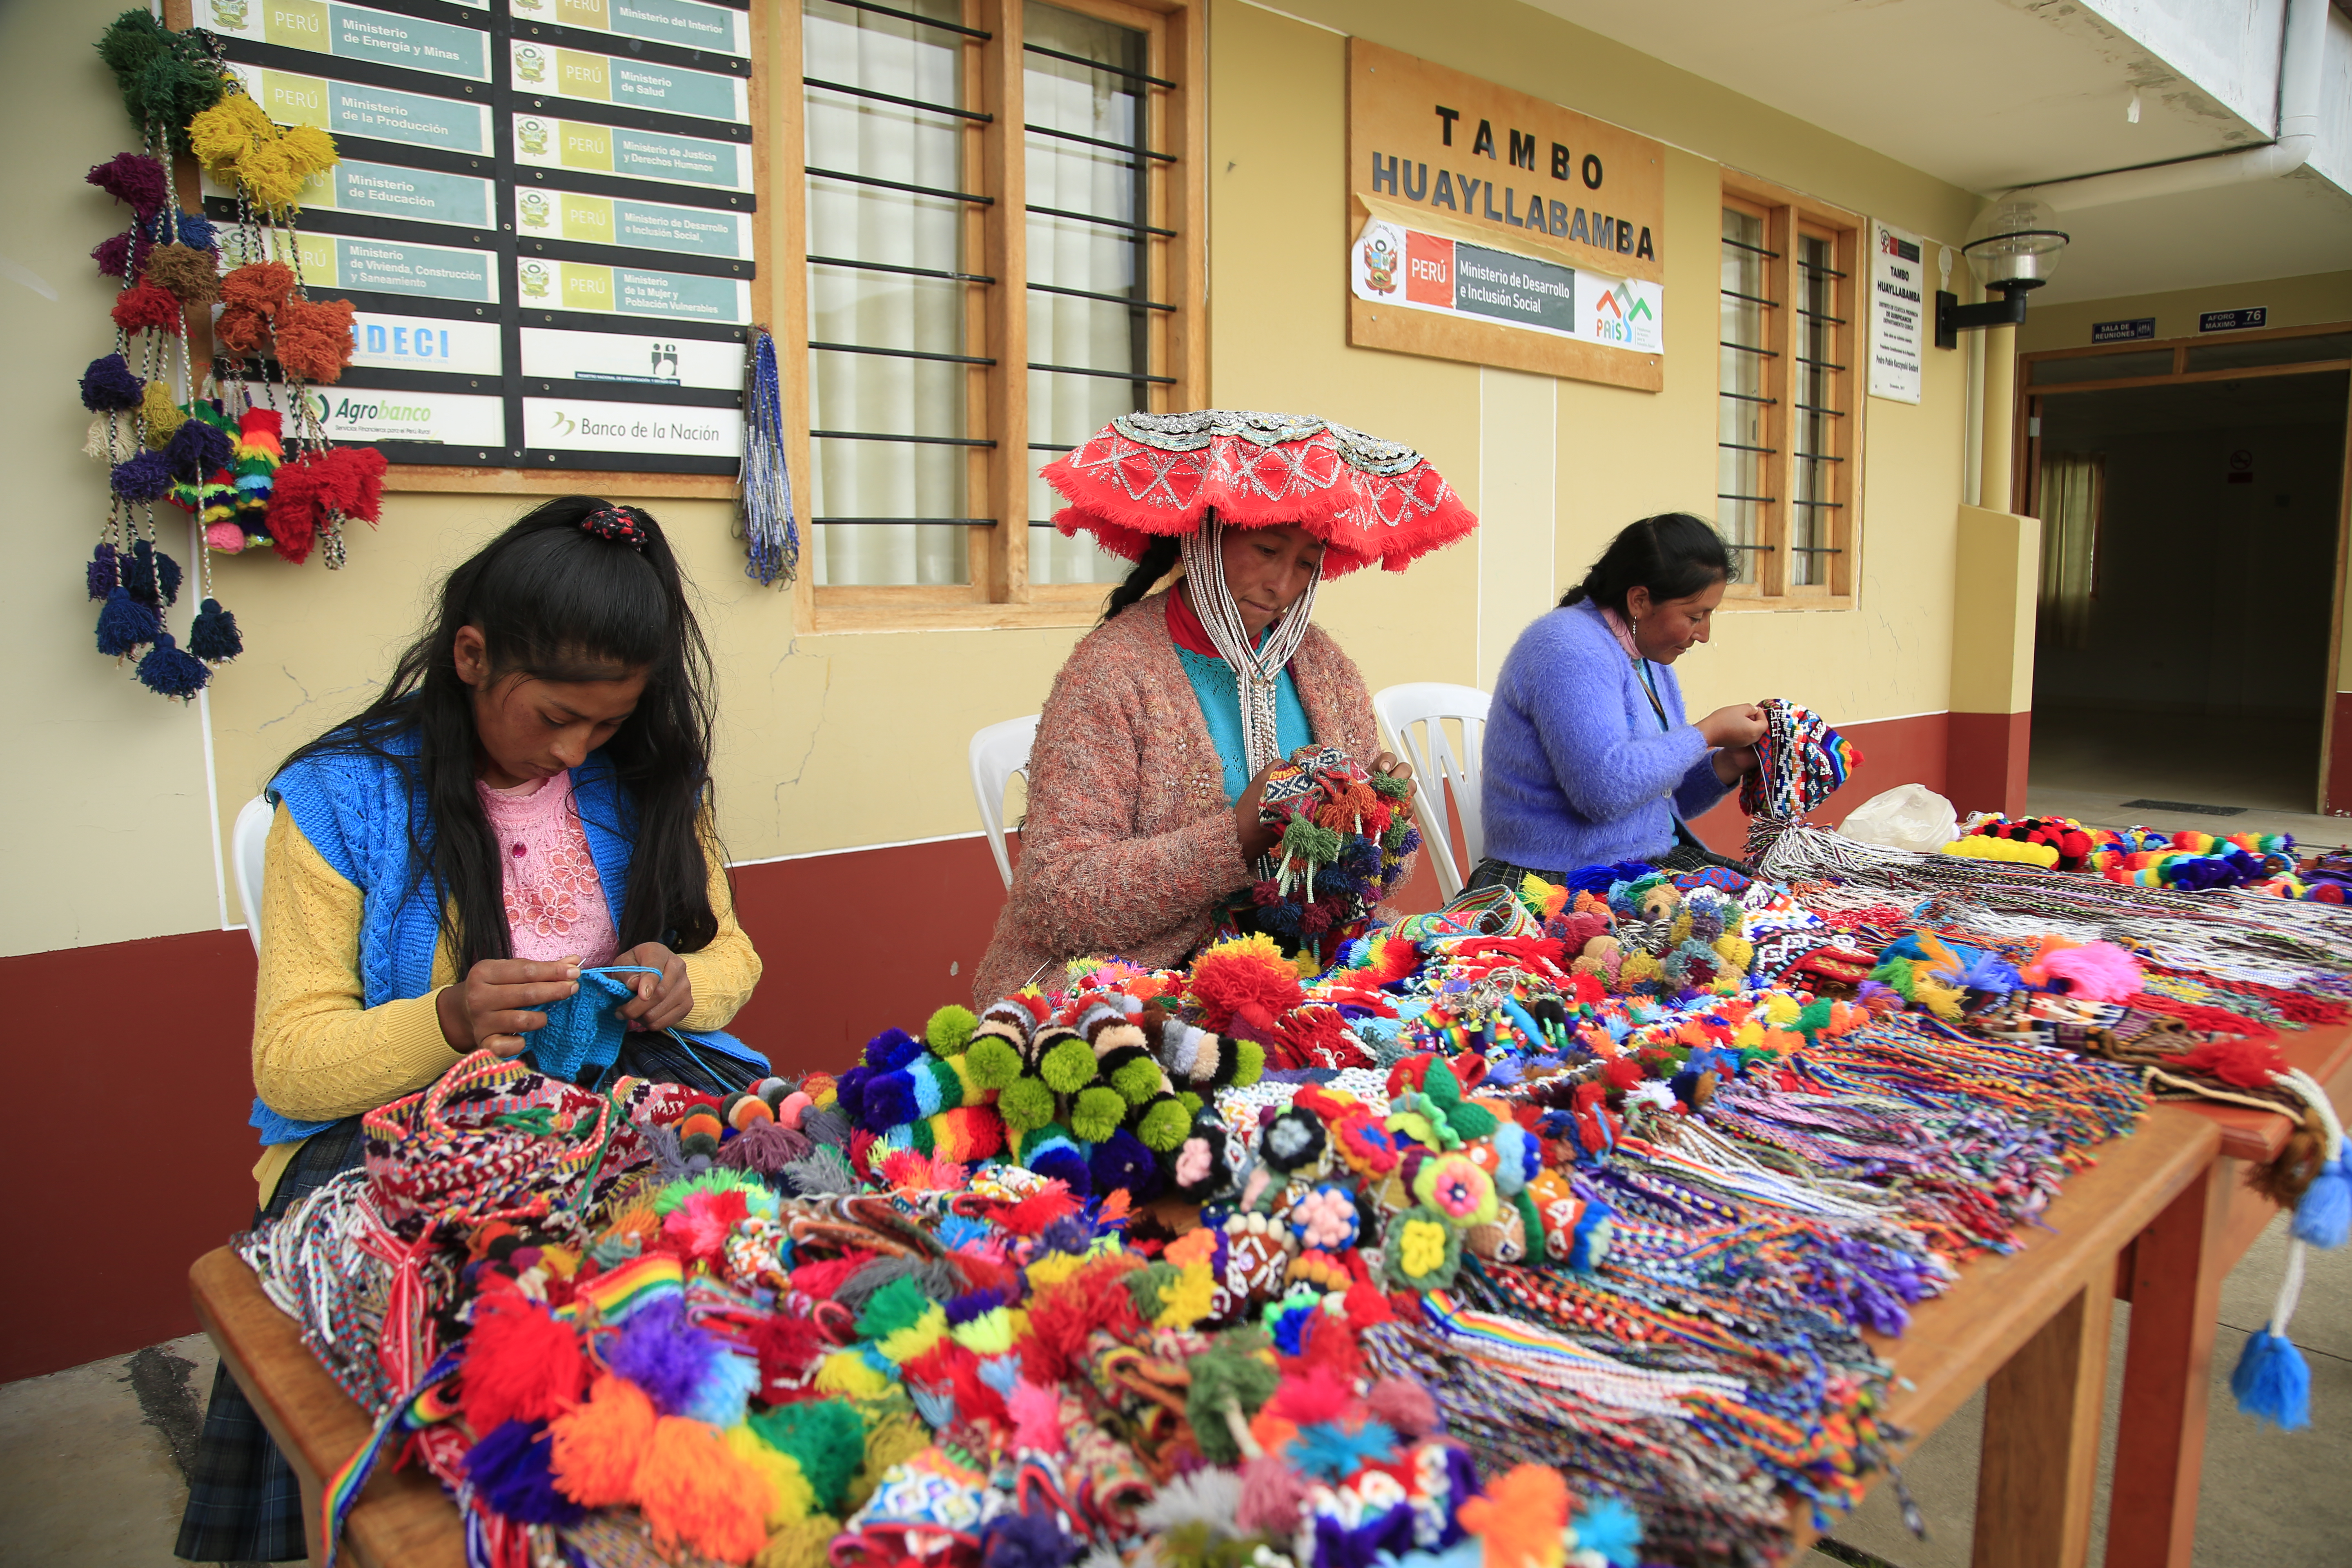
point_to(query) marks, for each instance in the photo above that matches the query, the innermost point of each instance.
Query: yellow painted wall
(2306, 301)
(844, 739)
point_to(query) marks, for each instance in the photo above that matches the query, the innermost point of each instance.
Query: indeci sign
(1489, 226)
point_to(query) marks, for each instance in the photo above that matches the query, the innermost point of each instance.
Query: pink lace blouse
(555, 905)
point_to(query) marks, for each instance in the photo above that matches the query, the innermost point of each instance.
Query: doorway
(2187, 639)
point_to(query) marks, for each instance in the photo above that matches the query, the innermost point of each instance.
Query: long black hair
(1672, 554)
(1158, 559)
(554, 601)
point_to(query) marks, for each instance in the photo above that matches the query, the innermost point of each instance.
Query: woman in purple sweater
(1589, 760)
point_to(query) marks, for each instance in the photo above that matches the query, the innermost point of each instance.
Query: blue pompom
(168, 672)
(197, 448)
(1612, 1529)
(126, 625)
(147, 477)
(1065, 1164)
(891, 1049)
(213, 637)
(102, 573)
(510, 1470)
(849, 1094)
(2324, 1217)
(1024, 1541)
(1122, 1161)
(889, 1101)
(108, 383)
(197, 232)
(2272, 1382)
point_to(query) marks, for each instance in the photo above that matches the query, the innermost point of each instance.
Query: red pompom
(2249, 1064)
(521, 1364)
(314, 339)
(146, 305)
(789, 1349)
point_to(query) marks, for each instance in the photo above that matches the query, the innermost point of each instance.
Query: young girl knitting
(528, 797)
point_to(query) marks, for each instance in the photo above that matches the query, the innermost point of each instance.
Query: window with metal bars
(922, 450)
(1785, 440)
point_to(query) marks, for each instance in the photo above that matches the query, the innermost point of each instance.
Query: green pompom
(1813, 1018)
(1145, 1287)
(1095, 1114)
(1191, 1102)
(1163, 1127)
(949, 1030)
(992, 1062)
(900, 1304)
(1472, 1120)
(1307, 840)
(1137, 1080)
(1068, 1066)
(1226, 1374)
(1025, 1103)
(1391, 785)
(1249, 1062)
(827, 1436)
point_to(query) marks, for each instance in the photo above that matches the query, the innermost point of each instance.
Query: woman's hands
(1258, 840)
(662, 1000)
(500, 1002)
(1734, 763)
(503, 999)
(1741, 724)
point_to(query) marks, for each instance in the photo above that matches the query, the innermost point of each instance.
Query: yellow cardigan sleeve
(318, 1052)
(724, 972)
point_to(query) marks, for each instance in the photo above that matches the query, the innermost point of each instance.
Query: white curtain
(872, 393)
(2071, 490)
(1093, 334)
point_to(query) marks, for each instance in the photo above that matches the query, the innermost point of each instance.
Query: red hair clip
(621, 525)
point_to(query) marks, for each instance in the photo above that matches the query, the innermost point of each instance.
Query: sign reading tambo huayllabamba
(1489, 226)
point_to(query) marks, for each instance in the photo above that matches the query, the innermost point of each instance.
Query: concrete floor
(2085, 764)
(92, 1461)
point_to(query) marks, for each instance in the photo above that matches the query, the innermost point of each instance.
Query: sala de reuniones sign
(1491, 227)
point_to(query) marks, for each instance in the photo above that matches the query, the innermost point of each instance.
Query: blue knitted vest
(355, 810)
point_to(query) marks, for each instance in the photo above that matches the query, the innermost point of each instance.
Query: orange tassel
(693, 1489)
(1520, 1519)
(596, 1447)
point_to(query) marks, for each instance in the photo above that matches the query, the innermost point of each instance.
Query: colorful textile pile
(1344, 835)
(2150, 857)
(1548, 1227)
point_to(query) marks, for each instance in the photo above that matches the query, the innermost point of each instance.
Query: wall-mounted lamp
(2012, 248)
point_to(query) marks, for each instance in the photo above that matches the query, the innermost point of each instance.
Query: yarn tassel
(2323, 1217)
(102, 571)
(770, 535)
(2272, 1381)
(126, 625)
(168, 672)
(213, 637)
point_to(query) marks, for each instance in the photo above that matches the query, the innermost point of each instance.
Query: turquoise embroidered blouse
(1219, 692)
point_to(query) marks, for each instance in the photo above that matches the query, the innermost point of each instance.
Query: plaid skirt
(244, 1503)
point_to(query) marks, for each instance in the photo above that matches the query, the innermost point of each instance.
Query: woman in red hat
(1156, 742)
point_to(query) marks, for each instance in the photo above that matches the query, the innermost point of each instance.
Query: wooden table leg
(2178, 1264)
(2041, 1456)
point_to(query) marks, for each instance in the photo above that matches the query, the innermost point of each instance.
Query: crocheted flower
(1193, 1161)
(1364, 1143)
(1295, 1142)
(1455, 1187)
(1325, 1218)
(1423, 1251)
(544, 908)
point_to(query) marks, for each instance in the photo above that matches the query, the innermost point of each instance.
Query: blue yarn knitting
(585, 1029)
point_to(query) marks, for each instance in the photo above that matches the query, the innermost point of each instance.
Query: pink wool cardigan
(1130, 849)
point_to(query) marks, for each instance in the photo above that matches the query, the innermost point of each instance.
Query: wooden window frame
(1789, 216)
(998, 593)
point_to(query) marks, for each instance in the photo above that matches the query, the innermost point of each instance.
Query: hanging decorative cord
(1257, 669)
(770, 537)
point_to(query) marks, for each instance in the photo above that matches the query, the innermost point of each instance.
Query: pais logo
(532, 134)
(535, 279)
(1380, 264)
(529, 65)
(1614, 313)
(229, 14)
(534, 208)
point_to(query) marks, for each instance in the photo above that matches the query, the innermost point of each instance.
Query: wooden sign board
(1491, 227)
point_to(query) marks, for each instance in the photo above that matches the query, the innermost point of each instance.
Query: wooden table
(2172, 1276)
(403, 1519)
(2031, 1327)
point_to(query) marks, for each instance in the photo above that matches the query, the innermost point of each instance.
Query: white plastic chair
(246, 842)
(1412, 725)
(998, 753)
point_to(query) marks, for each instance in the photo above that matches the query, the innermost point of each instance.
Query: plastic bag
(1908, 817)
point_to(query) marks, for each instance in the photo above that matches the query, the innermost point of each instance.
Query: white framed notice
(1900, 300)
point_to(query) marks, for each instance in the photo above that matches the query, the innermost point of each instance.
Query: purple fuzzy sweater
(1577, 770)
